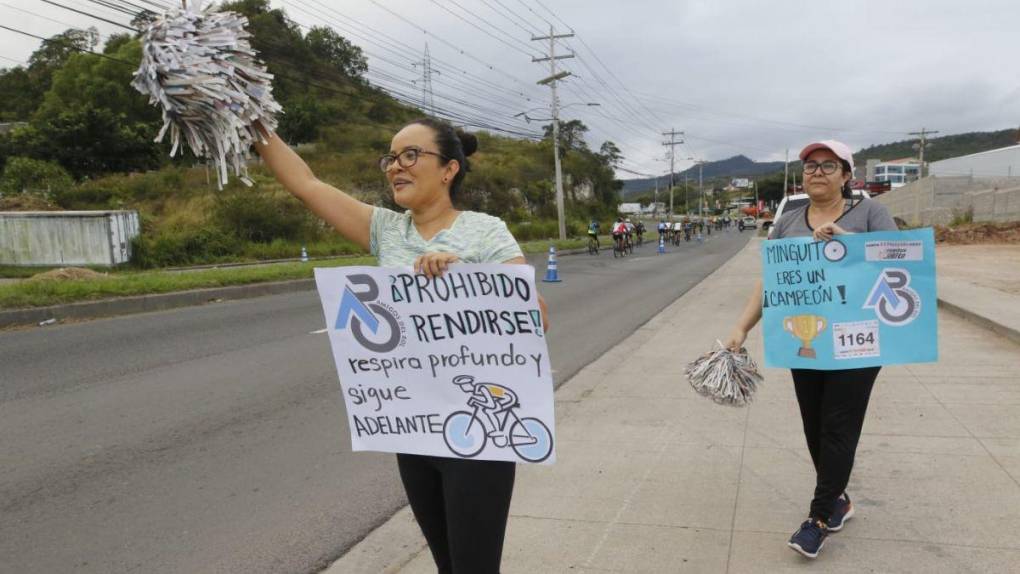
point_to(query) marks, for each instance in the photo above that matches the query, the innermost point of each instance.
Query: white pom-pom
(725, 376)
(199, 67)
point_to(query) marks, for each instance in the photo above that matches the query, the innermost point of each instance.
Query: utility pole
(701, 196)
(786, 173)
(427, 101)
(757, 211)
(923, 134)
(687, 208)
(672, 143)
(551, 80)
(655, 199)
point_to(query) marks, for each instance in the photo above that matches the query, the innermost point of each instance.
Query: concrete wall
(67, 237)
(940, 200)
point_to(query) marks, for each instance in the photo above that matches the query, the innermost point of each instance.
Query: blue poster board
(859, 300)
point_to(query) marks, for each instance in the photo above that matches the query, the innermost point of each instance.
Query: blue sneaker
(841, 512)
(809, 539)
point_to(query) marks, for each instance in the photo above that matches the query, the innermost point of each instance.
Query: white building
(629, 208)
(897, 172)
(1002, 162)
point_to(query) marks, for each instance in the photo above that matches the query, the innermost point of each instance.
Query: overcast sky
(737, 76)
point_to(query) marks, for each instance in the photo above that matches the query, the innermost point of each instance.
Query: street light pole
(554, 76)
(560, 215)
(687, 208)
(701, 200)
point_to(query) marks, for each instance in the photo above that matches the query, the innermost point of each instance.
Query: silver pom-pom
(727, 377)
(199, 67)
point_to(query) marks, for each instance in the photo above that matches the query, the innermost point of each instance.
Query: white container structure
(1002, 162)
(49, 238)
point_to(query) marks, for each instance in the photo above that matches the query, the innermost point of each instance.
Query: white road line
(319, 332)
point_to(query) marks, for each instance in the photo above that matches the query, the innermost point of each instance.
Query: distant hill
(742, 166)
(942, 147)
(736, 166)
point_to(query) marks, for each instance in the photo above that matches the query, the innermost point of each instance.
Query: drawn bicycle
(467, 433)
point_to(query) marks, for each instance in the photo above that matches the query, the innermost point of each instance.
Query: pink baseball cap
(841, 150)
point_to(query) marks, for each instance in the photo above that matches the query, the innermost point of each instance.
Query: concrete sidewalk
(652, 477)
(982, 283)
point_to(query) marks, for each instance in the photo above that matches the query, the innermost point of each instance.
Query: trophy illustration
(805, 328)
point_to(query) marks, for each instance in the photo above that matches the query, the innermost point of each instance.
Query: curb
(980, 320)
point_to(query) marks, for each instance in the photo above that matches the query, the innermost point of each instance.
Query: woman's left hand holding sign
(435, 263)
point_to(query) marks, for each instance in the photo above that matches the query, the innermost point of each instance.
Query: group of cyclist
(627, 234)
(674, 232)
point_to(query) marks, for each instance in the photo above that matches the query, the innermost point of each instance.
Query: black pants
(832, 408)
(462, 507)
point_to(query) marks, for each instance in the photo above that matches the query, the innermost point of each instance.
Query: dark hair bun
(468, 141)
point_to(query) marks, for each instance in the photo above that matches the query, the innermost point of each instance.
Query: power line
(540, 17)
(402, 68)
(37, 15)
(453, 46)
(528, 51)
(29, 34)
(377, 34)
(13, 60)
(100, 18)
(479, 87)
(515, 19)
(581, 59)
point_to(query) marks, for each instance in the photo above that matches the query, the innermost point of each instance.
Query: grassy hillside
(87, 145)
(941, 147)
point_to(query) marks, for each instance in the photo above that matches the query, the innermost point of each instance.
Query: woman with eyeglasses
(832, 403)
(461, 505)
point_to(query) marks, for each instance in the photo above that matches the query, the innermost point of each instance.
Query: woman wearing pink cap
(832, 403)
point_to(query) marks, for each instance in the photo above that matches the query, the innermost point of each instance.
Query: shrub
(251, 215)
(187, 246)
(545, 229)
(27, 175)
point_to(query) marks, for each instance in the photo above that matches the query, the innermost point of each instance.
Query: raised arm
(352, 218)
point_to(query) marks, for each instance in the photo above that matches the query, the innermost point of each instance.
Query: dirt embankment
(979, 234)
(67, 274)
(26, 203)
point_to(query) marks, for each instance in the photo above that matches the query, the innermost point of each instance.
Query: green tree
(88, 81)
(90, 141)
(27, 175)
(611, 154)
(19, 95)
(337, 51)
(571, 135)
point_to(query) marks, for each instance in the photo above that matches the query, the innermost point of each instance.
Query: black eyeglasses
(829, 167)
(406, 158)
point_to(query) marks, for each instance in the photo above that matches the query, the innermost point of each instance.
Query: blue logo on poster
(362, 310)
(894, 302)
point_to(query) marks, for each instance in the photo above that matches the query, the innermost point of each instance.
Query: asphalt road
(213, 439)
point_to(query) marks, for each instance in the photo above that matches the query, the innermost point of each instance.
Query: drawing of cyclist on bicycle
(492, 399)
(494, 417)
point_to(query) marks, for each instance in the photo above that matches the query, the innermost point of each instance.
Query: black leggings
(462, 507)
(832, 408)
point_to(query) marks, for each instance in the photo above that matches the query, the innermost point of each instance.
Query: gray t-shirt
(859, 216)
